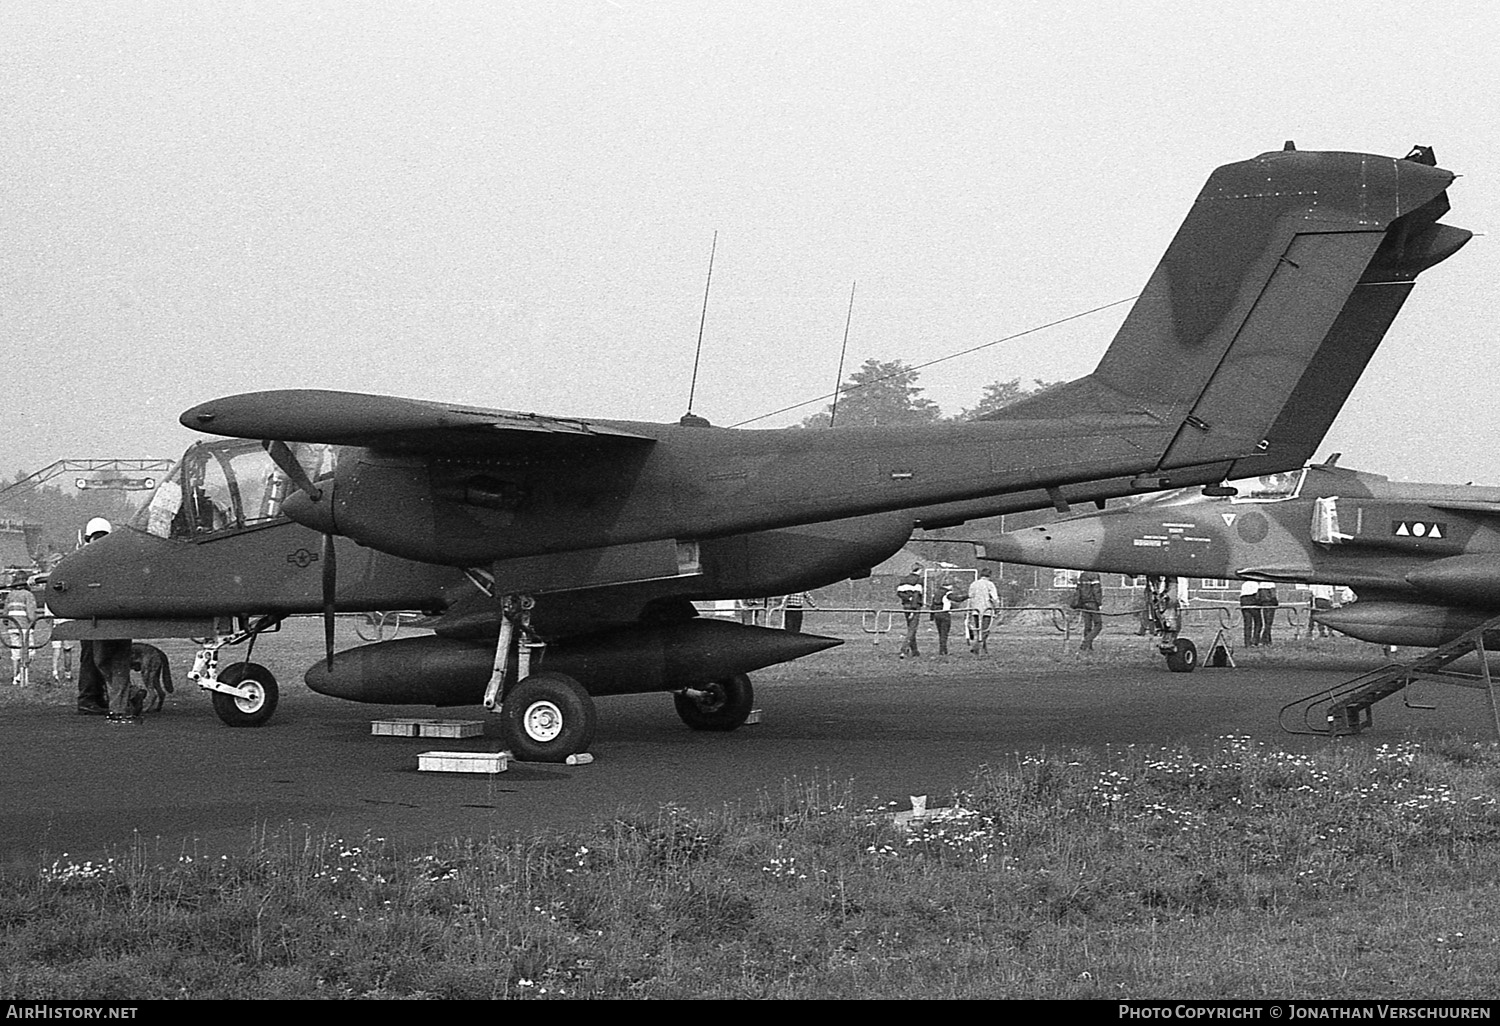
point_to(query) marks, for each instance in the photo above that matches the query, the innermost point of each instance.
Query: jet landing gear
(1182, 655)
(1165, 610)
(720, 705)
(243, 694)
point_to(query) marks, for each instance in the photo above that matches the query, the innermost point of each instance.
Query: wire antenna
(702, 320)
(838, 381)
(941, 359)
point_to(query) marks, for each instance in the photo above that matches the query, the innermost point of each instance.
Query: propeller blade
(330, 580)
(283, 457)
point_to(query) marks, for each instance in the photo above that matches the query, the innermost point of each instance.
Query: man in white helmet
(104, 666)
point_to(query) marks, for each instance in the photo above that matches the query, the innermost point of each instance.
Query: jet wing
(1290, 574)
(1465, 506)
(395, 425)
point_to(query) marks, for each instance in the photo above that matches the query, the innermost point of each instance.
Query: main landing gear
(548, 717)
(243, 694)
(545, 716)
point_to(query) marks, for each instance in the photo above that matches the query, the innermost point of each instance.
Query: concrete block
(395, 728)
(463, 762)
(451, 728)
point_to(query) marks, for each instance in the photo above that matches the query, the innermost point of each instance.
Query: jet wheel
(548, 717)
(1183, 658)
(246, 712)
(723, 705)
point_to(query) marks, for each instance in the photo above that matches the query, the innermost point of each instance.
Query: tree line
(887, 394)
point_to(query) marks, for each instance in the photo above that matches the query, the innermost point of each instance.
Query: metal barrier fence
(1206, 615)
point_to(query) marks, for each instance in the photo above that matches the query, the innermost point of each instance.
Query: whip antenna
(702, 320)
(838, 382)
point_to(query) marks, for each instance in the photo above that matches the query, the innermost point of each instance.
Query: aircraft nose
(1064, 545)
(1025, 546)
(317, 515)
(75, 586)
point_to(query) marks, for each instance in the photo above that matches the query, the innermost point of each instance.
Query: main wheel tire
(548, 717)
(246, 712)
(1184, 657)
(724, 705)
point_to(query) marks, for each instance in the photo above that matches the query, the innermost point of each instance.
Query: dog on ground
(156, 672)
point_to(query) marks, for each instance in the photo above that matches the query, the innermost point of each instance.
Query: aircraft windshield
(1270, 487)
(223, 486)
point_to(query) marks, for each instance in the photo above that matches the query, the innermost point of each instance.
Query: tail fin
(1265, 308)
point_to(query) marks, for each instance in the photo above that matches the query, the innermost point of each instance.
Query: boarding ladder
(1346, 708)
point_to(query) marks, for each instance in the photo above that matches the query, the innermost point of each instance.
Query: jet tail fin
(1266, 307)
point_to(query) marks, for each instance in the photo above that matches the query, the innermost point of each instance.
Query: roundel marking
(1252, 527)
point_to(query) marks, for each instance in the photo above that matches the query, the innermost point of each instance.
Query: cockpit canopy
(1265, 488)
(227, 485)
(1270, 487)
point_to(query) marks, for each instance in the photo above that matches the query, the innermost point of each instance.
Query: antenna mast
(838, 382)
(702, 320)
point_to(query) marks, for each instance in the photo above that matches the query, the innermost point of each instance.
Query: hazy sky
(511, 204)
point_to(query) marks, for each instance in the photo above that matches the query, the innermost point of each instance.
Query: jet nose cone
(1005, 548)
(1036, 546)
(316, 514)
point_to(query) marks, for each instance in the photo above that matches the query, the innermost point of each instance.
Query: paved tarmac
(182, 782)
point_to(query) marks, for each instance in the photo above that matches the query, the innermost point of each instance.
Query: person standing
(64, 653)
(1268, 604)
(1088, 599)
(984, 600)
(1250, 612)
(1322, 602)
(942, 612)
(751, 610)
(20, 618)
(910, 593)
(104, 664)
(791, 611)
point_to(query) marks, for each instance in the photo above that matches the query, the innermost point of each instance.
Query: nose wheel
(1182, 656)
(257, 699)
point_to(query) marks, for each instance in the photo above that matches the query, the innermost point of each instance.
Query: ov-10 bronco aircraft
(518, 527)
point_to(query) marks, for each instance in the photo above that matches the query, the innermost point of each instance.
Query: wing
(1290, 574)
(1465, 506)
(393, 424)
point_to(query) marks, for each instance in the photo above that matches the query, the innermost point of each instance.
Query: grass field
(1227, 869)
